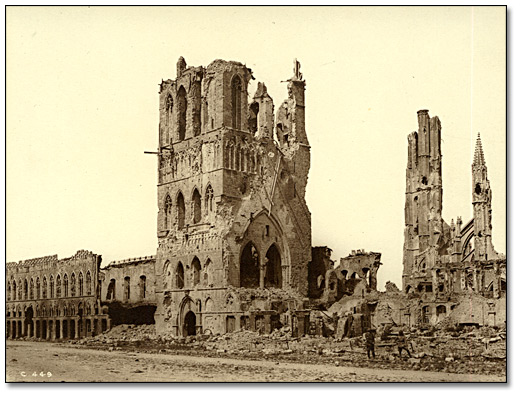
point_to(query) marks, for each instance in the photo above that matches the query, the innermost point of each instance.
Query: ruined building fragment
(234, 233)
(443, 263)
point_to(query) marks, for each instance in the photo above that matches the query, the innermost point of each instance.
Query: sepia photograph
(295, 194)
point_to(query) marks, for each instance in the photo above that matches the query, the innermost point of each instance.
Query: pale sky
(82, 106)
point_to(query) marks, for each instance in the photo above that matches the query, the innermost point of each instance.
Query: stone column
(15, 329)
(23, 328)
(76, 327)
(49, 330)
(262, 276)
(238, 322)
(34, 328)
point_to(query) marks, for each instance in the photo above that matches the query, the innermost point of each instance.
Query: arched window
(249, 267)
(236, 103)
(126, 288)
(37, 288)
(167, 208)
(20, 290)
(9, 291)
(209, 200)
(143, 286)
(65, 286)
(180, 204)
(196, 268)
(196, 206)
(31, 289)
(58, 286)
(88, 283)
(44, 287)
(182, 113)
(26, 289)
(180, 276)
(73, 284)
(169, 105)
(111, 290)
(80, 284)
(14, 290)
(51, 287)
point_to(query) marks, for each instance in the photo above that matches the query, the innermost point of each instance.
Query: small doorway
(189, 325)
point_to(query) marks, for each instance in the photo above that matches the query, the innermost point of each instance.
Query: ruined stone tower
(234, 231)
(423, 208)
(481, 206)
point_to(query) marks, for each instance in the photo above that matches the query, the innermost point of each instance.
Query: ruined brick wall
(360, 266)
(231, 208)
(129, 281)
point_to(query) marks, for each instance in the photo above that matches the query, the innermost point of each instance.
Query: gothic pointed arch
(180, 210)
(182, 112)
(196, 206)
(249, 266)
(236, 93)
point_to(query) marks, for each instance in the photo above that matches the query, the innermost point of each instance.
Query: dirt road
(43, 362)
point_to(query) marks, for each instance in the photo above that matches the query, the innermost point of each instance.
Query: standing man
(402, 344)
(369, 338)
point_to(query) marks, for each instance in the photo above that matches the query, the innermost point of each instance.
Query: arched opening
(249, 267)
(209, 200)
(88, 283)
(180, 203)
(26, 289)
(478, 189)
(274, 273)
(28, 324)
(441, 312)
(196, 267)
(236, 103)
(44, 287)
(80, 284)
(167, 208)
(44, 329)
(58, 286)
(126, 288)
(180, 276)
(143, 286)
(73, 284)
(31, 289)
(111, 290)
(189, 324)
(182, 113)
(196, 207)
(169, 105)
(65, 286)
(9, 297)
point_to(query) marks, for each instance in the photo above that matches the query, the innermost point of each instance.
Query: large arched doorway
(274, 273)
(249, 267)
(189, 324)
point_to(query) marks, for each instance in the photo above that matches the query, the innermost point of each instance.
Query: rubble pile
(456, 350)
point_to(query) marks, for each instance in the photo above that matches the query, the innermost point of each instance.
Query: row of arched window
(241, 158)
(70, 309)
(177, 278)
(181, 105)
(44, 288)
(177, 214)
(111, 288)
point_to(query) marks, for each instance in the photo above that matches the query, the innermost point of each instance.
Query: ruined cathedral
(232, 219)
(234, 234)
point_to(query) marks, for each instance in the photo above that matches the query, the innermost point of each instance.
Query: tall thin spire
(478, 159)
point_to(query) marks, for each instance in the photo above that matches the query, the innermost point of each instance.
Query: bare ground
(28, 361)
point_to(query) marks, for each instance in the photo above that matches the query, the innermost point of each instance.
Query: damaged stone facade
(234, 232)
(127, 289)
(51, 298)
(448, 267)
